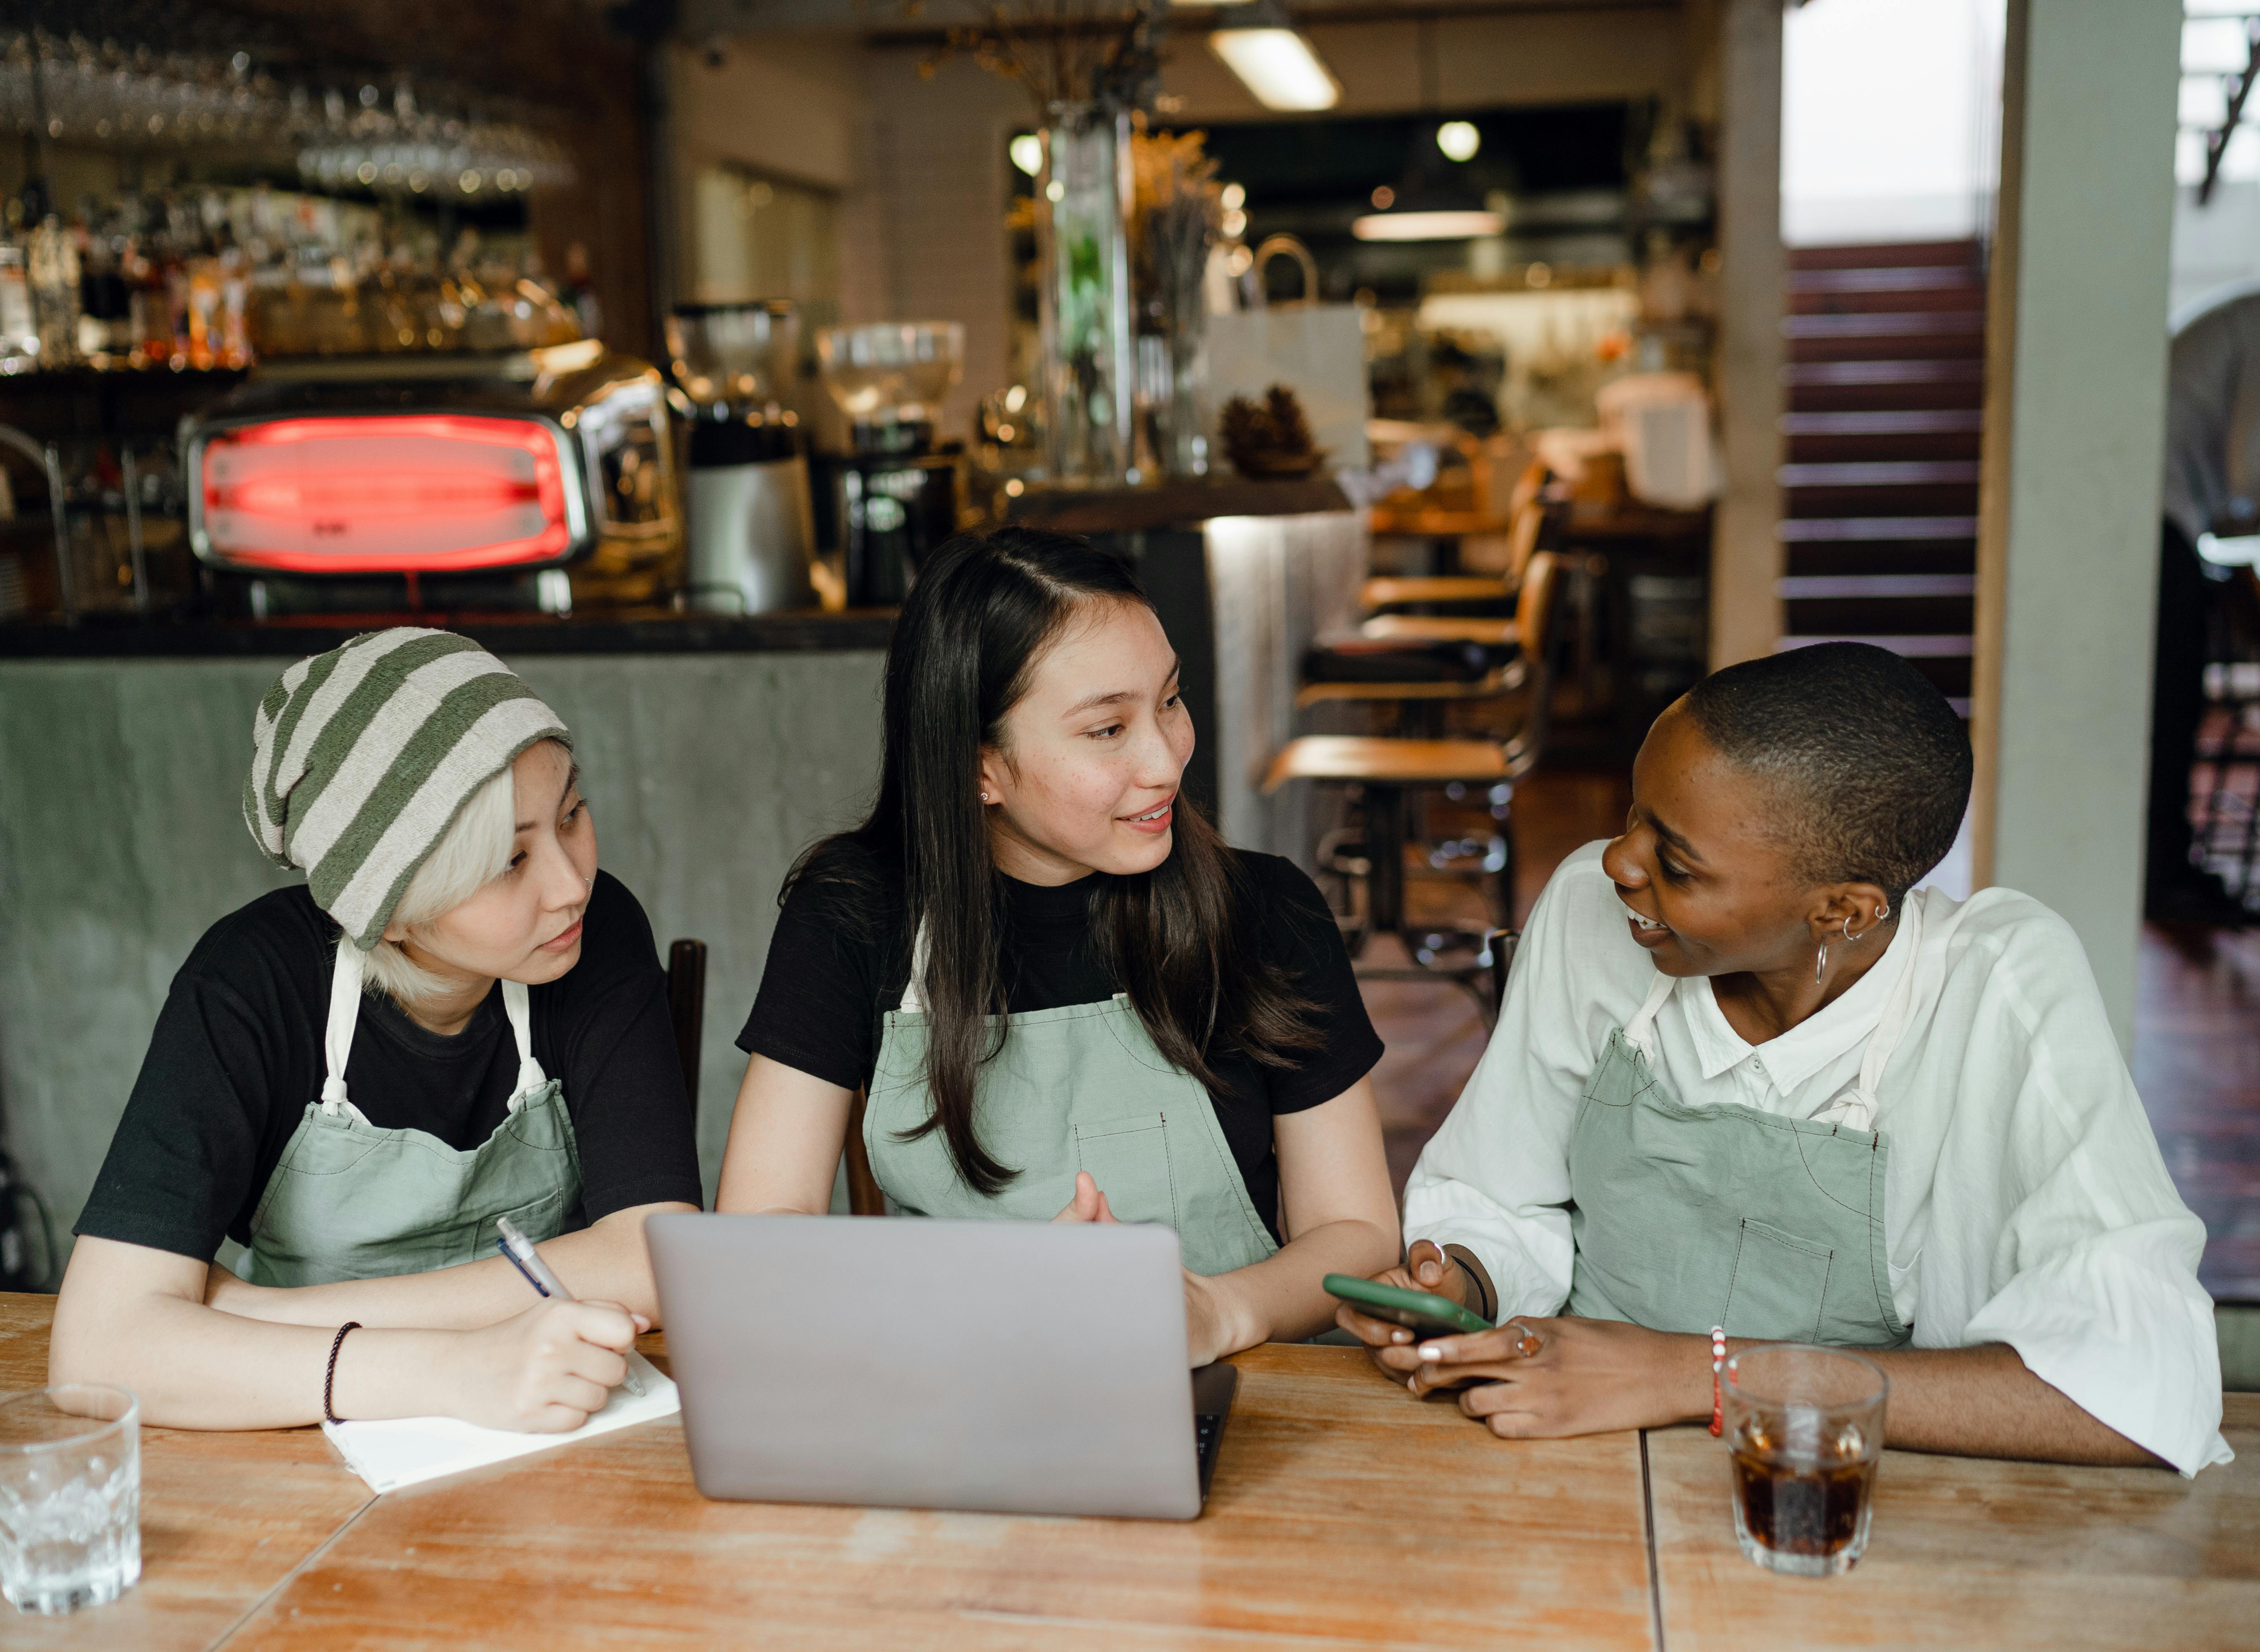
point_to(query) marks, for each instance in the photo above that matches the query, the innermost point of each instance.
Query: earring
(1820, 963)
(1883, 913)
(984, 797)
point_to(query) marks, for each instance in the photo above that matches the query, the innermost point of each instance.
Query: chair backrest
(1527, 487)
(686, 1006)
(1536, 606)
(1523, 530)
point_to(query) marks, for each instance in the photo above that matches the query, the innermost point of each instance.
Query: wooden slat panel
(1344, 1513)
(1969, 1553)
(224, 1518)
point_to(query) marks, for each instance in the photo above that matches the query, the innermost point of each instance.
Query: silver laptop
(1021, 1367)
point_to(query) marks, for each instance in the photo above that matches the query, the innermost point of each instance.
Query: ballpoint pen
(520, 1250)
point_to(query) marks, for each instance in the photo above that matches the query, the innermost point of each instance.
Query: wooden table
(1342, 1515)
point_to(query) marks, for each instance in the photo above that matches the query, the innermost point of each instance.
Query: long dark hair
(982, 613)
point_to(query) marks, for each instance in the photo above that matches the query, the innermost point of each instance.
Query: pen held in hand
(520, 1250)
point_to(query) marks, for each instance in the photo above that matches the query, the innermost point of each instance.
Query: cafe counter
(713, 749)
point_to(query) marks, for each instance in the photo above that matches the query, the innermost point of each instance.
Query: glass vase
(1084, 197)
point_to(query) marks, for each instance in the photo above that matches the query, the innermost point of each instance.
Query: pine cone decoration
(1273, 440)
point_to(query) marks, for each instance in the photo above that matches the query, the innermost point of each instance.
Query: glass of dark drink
(1805, 1428)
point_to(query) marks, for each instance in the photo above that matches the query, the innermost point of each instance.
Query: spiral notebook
(402, 1451)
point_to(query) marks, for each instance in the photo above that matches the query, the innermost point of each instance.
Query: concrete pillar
(1745, 555)
(2075, 415)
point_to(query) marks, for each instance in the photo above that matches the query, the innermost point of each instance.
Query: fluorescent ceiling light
(1279, 68)
(1428, 226)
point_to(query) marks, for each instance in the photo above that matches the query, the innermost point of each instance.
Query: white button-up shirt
(2026, 1201)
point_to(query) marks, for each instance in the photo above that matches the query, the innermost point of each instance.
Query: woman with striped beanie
(455, 1019)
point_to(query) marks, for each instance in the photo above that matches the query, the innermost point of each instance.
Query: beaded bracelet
(330, 1377)
(1718, 1365)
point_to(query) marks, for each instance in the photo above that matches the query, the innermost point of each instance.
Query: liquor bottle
(52, 267)
(19, 332)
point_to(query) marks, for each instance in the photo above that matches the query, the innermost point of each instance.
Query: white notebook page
(409, 1450)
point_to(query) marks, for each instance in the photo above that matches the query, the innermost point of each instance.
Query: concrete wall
(121, 840)
(2075, 419)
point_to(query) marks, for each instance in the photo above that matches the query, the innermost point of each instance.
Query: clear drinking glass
(1805, 1428)
(70, 1497)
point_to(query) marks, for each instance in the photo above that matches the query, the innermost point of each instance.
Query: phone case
(1419, 1311)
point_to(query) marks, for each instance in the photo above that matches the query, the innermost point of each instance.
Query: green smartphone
(1418, 1312)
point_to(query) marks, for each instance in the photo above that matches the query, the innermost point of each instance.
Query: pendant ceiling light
(1280, 67)
(1425, 208)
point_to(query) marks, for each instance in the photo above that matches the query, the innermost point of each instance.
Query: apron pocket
(1129, 1159)
(1779, 1283)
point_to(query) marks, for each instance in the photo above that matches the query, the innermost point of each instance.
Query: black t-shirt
(238, 1054)
(830, 983)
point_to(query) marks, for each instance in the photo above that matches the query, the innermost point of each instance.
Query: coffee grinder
(752, 532)
(894, 496)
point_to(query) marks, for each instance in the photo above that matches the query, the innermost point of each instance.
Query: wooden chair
(686, 1006)
(1387, 770)
(1472, 592)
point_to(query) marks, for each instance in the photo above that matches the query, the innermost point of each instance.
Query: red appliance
(318, 473)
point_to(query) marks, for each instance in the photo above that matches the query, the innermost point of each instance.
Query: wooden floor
(2197, 1039)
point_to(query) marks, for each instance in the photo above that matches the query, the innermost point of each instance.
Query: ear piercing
(1820, 962)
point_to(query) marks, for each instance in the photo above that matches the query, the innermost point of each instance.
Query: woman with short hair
(1747, 1076)
(1067, 997)
(456, 1018)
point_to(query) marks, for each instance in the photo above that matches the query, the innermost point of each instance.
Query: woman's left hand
(1586, 1376)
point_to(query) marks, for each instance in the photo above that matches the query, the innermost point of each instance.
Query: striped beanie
(363, 757)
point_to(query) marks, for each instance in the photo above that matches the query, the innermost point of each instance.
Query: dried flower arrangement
(1176, 215)
(1069, 54)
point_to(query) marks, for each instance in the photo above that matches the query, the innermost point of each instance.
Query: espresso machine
(751, 529)
(893, 496)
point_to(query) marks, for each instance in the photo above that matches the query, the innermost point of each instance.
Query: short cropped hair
(1869, 764)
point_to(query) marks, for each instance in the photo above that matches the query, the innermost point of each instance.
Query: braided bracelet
(1718, 1365)
(330, 1377)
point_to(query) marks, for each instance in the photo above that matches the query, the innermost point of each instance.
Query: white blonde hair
(474, 851)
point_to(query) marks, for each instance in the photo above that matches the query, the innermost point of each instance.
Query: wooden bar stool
(1473, 594)
(1389, 771)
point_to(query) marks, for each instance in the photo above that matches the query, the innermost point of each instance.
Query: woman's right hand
(1088, 1205)
(1425, 1268)
(548, 1369)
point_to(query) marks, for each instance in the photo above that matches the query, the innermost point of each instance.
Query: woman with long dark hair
(1065, 997)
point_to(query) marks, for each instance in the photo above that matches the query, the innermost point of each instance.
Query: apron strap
(1639, 1030)
(338, 1033)
(518, 1007)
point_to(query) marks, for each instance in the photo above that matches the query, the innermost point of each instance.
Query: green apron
(1080, 1087)
(1684, 1218)
(350, 1201)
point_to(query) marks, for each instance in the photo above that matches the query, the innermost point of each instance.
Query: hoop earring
(1820, 963)
(1883, 915)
